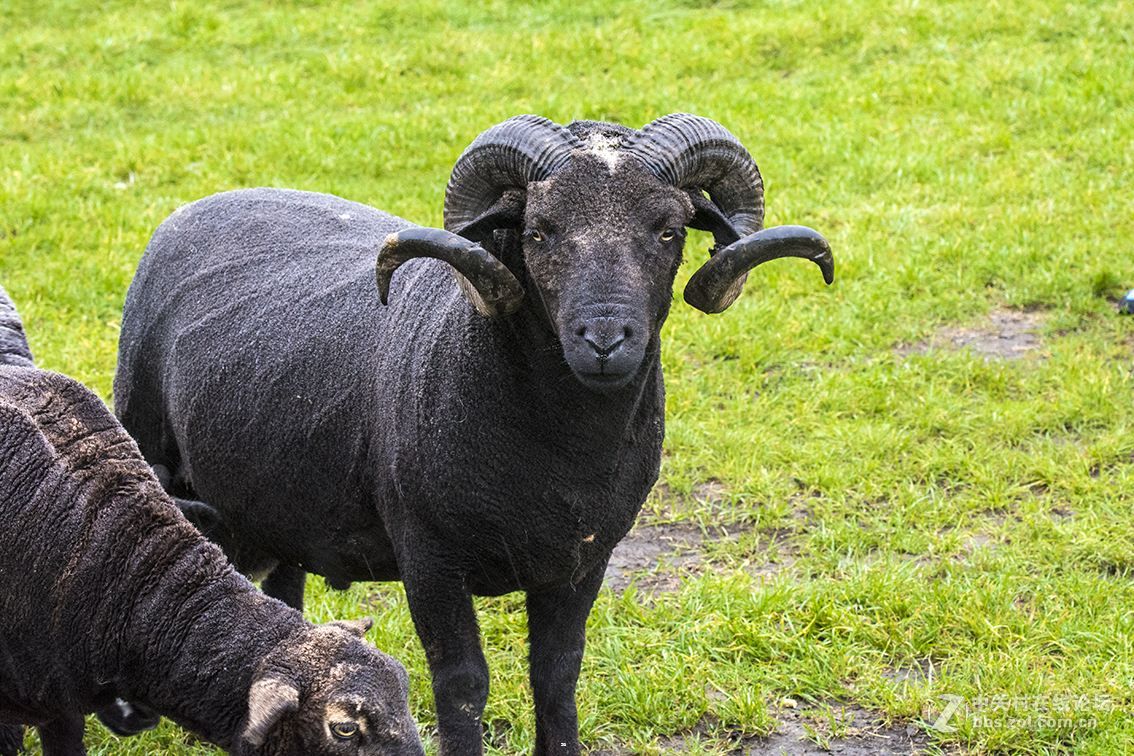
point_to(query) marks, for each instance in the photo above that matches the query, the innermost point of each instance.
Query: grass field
(890, 520)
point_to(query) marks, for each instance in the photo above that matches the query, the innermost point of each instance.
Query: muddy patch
(779, 551)
(920, 671)
(977, 543)
(658, 555)
(848, 730)
(1005, 335)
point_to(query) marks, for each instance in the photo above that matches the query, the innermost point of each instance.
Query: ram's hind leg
(286, 583)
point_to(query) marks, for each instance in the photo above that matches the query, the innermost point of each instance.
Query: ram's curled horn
(700, 155)
(718, 282)
(508, 156)
(485, 281)
(13, 344)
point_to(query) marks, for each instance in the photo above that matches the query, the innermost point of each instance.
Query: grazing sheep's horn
(718, 282)
(13, 344)
(485, 281)
(507, 156)
(698, 154)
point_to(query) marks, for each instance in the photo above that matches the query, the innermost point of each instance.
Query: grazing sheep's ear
(718, 282)
(485, 281)
(357, 627)
(269, 700)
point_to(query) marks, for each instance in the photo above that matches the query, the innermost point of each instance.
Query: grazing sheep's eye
(344, 730)
(668, 235)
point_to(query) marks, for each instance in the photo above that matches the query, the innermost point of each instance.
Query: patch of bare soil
(784, 550)
(1005, 335)
(847, 730)
(657, 555)
(922, 670)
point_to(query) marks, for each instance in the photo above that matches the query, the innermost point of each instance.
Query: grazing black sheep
(106, 591)
(497, 441)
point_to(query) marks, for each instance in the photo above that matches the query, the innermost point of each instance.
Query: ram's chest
(554, 532)
(530, 515)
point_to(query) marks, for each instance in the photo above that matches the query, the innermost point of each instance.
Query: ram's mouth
(604, 382)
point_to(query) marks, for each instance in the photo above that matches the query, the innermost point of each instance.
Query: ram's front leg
(443, 614)
(11, 739)
(63, 737)
(557, 623)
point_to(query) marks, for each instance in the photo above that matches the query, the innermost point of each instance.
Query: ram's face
(602, 242)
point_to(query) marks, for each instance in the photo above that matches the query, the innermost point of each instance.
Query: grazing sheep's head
(601, 212)
(330, 693)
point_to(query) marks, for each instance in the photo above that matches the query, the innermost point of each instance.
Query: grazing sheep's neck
(197, 636)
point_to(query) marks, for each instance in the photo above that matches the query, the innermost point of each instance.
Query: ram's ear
(485, 281)
(708, 217)
(269, 700)
(507, 212)
(357, 627)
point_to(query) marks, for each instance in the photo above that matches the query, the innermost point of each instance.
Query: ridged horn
(698, 154)
(718, 282)
(510, 155)
(484, 280)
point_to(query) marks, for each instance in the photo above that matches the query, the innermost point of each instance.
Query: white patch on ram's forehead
(605, 148)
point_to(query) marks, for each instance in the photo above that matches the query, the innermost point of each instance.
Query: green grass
(937, 509)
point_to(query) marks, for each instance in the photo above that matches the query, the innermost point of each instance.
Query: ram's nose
(605, 351)
(605, 336)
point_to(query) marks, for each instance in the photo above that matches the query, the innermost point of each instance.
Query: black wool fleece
(106, 592)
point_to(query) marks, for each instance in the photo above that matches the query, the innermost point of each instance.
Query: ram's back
(251, 341)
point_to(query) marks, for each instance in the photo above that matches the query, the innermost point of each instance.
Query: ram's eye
(668, 235)
(344, 730)
(535, 236)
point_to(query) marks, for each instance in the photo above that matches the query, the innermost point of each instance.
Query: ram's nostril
(602, 343)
